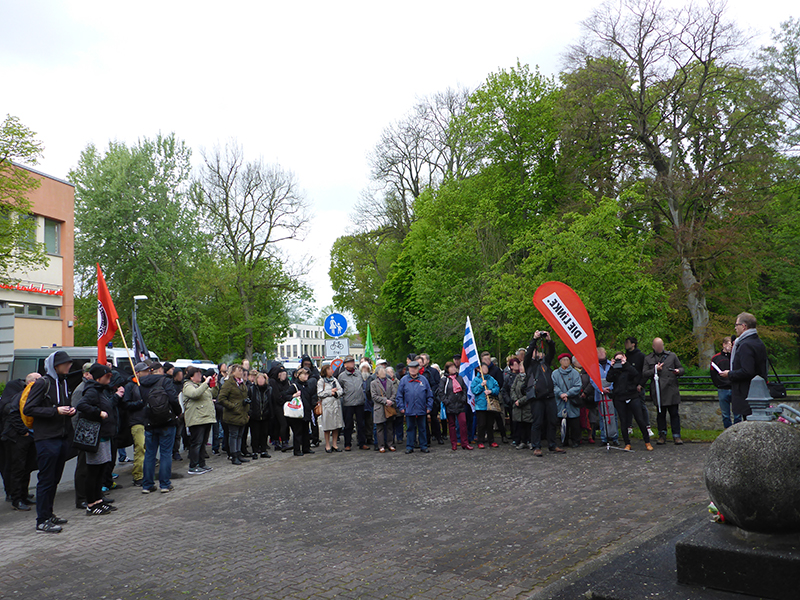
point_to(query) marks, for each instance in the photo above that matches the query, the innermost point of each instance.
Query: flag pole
(128, 352)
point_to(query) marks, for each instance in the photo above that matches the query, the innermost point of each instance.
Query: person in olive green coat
(199, 415)
(234, 399)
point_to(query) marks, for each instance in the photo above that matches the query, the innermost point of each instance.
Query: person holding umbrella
(664, 368)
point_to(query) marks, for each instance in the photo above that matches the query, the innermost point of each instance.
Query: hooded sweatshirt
(47, 394)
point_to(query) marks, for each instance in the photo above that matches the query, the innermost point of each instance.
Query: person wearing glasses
(748, 359)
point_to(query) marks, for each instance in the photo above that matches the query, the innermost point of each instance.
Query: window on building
(52, 311)
(52, 236)
(19, 309)
(281, 351)
(294, 350)
(35, 309)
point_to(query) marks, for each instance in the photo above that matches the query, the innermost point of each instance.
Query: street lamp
(135, 298)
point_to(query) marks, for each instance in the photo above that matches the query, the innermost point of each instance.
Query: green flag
(369, 352)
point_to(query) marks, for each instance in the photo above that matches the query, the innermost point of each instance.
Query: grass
(688, 435)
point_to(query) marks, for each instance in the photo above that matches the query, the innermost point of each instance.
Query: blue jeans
(216, 435)
(51, 456)
(158, 439)
(725, 408)
(416, 423)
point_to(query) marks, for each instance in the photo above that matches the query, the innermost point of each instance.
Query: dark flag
(139, 347)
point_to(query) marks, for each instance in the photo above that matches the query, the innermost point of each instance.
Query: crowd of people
(247, 412)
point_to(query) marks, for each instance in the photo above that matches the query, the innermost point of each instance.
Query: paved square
(494, 523)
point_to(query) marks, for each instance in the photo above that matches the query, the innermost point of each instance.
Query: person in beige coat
(383, 391)
(329, 392)
(199, 414)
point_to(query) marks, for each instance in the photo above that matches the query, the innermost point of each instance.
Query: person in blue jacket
(480, 387)
(415, 401)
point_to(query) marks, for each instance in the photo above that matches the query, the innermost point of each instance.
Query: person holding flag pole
(466, 368)
(108, 323)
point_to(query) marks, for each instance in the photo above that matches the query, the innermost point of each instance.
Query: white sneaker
(650, 433)
(630, 431)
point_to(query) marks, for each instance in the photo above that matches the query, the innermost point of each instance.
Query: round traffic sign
(335, 325)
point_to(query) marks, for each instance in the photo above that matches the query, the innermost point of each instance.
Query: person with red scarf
(453, 394)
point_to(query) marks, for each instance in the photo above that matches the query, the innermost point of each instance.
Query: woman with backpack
(234, 400)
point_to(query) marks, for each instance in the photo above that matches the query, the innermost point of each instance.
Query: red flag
(106, 317)
(563, 309)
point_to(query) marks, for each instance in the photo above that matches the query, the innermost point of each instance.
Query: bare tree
(692, 117)
(251, 207)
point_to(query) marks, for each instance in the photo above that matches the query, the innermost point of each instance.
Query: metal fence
(703, 383)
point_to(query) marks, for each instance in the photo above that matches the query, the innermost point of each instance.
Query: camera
(540, 335)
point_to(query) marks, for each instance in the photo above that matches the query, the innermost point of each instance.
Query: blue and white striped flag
(469, 362)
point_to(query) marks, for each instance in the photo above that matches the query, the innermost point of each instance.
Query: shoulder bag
(293, 409)
(87, 435)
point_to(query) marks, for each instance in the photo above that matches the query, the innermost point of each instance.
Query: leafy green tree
(133, 217)
(19, 251)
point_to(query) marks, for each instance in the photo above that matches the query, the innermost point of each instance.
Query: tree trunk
(696, 303)
(248, 330)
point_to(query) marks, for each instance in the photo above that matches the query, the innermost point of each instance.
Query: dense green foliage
(655, 177)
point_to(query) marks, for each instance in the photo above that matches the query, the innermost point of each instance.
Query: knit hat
(60, 357)
(565, 354)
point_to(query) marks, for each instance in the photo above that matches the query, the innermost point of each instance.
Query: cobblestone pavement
(494, 523)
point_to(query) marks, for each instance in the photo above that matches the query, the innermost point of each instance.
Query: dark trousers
(399, 422)
(93, 486)
(485, 426)
(544, 415)
(674, 420)
(50, 456)
(245, 431)
(108, 468)
(416, 425)
(198, 434)
(369, 426)
(350, 414)
(180, 434)
(472, 423)
(522, 432)
(461, 419)
(80, 478)
(301, 437)
(573, 431)
(314, 430)
(435, 430)
(20, 462)
(628, 411)
(279, 427)
(259, 432)
(215, 436)
(500, 419)
(645, 413)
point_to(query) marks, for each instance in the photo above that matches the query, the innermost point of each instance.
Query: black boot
(265, 454)
(235, 460)
(242, 458)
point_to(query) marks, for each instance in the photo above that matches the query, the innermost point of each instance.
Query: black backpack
(159, 409)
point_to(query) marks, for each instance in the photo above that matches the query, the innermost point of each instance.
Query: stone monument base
(725, 557)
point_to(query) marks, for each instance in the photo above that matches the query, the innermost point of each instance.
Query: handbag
(293, 409)
(389, 411)
(318, 409)
(777, 390)
(87, 435)
(493, 403)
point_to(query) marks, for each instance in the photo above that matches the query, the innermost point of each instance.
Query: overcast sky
(309, 85)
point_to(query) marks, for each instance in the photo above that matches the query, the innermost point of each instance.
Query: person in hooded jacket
(282, 392)
(159, 431)
(13, 387)
(49, 405)
(301, 437)
(453, 395)
(567, 388)
(236, 404)
(199, 416)
(260, 415)
(484, 384)
(97, 404)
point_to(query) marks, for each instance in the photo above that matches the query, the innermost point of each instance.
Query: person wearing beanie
(48, 403)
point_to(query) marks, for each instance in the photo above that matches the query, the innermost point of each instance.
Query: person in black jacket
(722, 362)
(96, 404)
(48, 403)
(20, 450)
(627, 399)
(159, 433)
(13, 387)
(133, 404)
(748, 359)
(539, 389)
(260, 415)
(434, 422)
(313, 378)
(635, 357)
(282, 392)
(300, 431)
